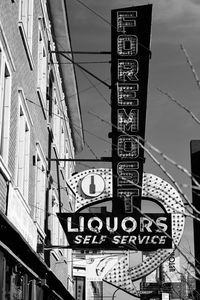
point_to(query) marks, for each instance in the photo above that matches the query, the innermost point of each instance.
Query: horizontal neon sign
(124, 231)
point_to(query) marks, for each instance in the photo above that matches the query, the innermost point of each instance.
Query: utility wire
(86, 89)
(78, 1)
(124, 179)
(95, 87)
(179, 249)
(152, 148)
(162, 166)
(144, 214)
(154, 159)
(87, 145)
(94, 12)
(63, 118)
(105, 20)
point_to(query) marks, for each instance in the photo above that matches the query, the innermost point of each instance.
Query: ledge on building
(58, 15)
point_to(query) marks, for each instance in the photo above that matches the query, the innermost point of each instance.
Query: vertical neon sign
(129, 72)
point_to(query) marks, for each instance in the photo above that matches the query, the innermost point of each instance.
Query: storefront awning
(15, 245)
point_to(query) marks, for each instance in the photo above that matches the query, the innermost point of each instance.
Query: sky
(169, 128)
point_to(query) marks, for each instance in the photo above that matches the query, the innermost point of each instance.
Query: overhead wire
(95, 87)
(140, 212)
(86, 89)
(94, 12)
(131, 247)
(78, 1)
(144, 214)
(178, 247)
(87, 145)
(87, 131)
(104, 120)
(133, 183)
(63, 117)
(152, 157)
(105, 20)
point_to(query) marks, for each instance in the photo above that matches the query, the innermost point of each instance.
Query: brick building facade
(40, 121)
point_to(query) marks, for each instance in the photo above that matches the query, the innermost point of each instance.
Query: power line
(153, 158)
(94, 12)
(106, 21)
(100, 138)
(85, 70)
(95, 87)
(86, 89)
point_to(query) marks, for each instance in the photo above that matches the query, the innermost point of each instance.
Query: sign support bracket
(102, 159)
(82, 68)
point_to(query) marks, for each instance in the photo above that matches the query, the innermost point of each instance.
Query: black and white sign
(108, 231)
(130, 62)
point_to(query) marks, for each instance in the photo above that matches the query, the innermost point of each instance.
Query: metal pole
(83, 52)
(103, 159)
(85, 70)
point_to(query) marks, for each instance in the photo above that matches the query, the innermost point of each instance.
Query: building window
(62, 146)
(26, 18)
(50, 97)
(56, 124)
(26, 27)
(57, 237)
(5, 96)
(42, 70)
(40, 187)
(55, 222)
(23, 150)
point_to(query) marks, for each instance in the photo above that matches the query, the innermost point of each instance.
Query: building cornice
(60, 30)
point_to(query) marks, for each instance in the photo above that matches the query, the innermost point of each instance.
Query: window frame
(25, 24)
(23, 188)
(5, 106)
(42, 69)
(56, 229)
(40, 206)
(56, 128)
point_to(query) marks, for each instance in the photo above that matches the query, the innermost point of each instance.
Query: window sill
(4, 169)
(41, 98)
(26, 46)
